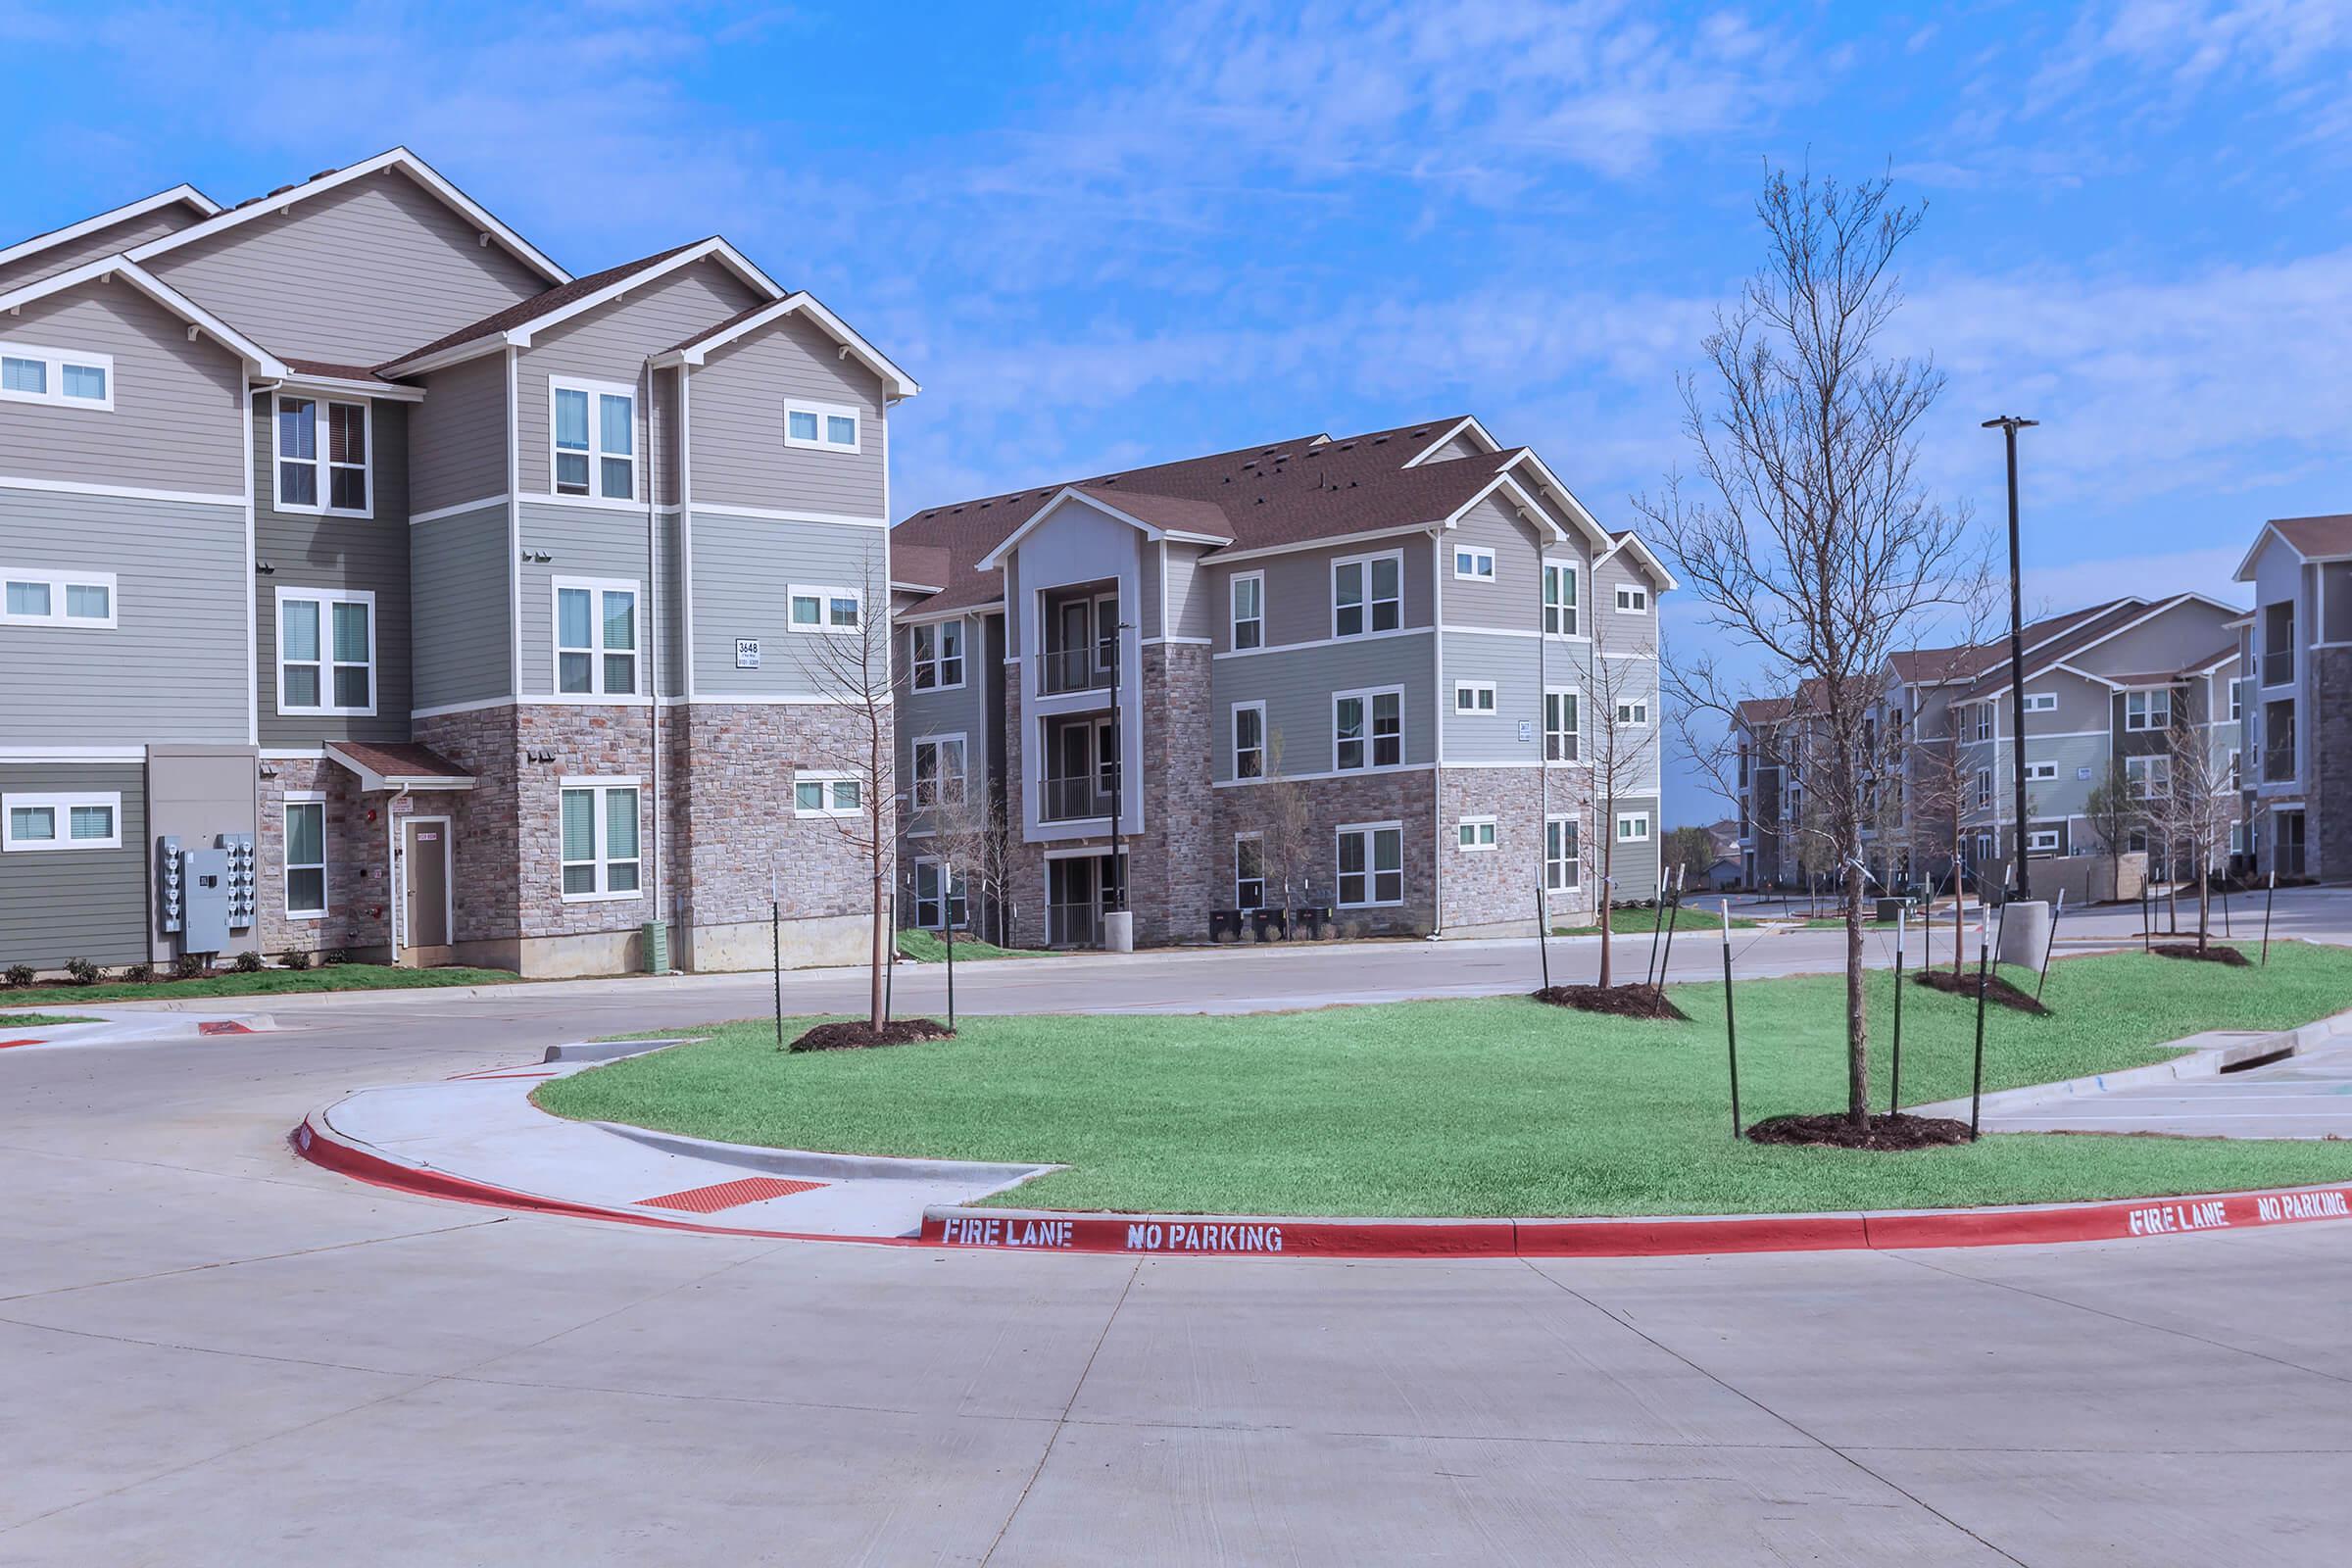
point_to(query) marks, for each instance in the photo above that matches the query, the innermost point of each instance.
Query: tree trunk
(1858, 1017)
(1609, 861)
(2204, 900)
(881, 953)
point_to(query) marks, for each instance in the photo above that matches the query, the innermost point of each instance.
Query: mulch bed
(1623, 1002)
(859, 1035)
(2210, 955)
(1895, 1131)
(1964, 984)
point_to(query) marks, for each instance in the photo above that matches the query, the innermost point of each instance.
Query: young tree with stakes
(1936, 774)
(1811, 538)
(2114, 810)
(851, 667)
(2197, 808)
(1621, 762)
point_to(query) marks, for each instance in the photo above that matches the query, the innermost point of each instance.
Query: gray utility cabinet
(205, 894)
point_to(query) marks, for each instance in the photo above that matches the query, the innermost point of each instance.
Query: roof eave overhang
(175, 196)
(155, 288)
(897, 381)
(370, 779)
(1069, 492)
(1469, 426)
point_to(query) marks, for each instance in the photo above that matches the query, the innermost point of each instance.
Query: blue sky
(1101, 235)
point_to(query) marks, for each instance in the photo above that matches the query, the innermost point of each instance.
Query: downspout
(1442, 703)
(685, 580)
(652, 622)
(392, 869)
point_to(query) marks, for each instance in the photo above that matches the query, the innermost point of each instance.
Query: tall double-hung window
(600, 839)
(1367, 595)
(595, 431)
(325, 651)
(321, 448)
(596, 637)
(1367, 730)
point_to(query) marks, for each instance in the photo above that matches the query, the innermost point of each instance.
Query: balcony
(1060, 670)
(1084, 798)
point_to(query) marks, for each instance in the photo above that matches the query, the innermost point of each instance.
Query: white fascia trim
(118, 215)
(1327, 542)
(2109, 635)
(73, 754)
(1664, 579)
(164, 294)
(1324, 641)
(462, 506)
(801, 302)
(1526, 503)
(338, 387)
(1309, 778)
(920, 617)
(1068, 492)
(1577, 512)
(456, 354)
(1468, 426)
(291, 753)
(71, 487)
(711, 249)
(844, 519)
(400, 157)
(2245, 567)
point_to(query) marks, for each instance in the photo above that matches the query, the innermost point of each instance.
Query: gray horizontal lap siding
(57, 905)
(457, 435)
(735, 407)
(357, 275)
(364, 553)
(1299, 592)
(1515, 598)
(1297, 687)
(744, 572)
(1634, 867)
(65, 255)
(176, 414)
(174, 667)
(962, 710)
(1520, 670)
(460, 571)
(585, 542)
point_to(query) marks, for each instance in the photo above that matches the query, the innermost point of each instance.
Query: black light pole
(2009, 424)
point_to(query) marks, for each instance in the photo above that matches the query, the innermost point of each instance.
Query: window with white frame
(939, 771)
(1633, 827)
(304, 886)
(600, 839)
(1249, 871)
(2041, 702)
(2150, 778)
(72, 379)
(1475, 833)
(1248, 605)
(821, 426)
(1474, 697)
(1367, 729)
(81, 820)
(825, 795)
(1562, 866)
(325, 651)
(839, 611)
(1631, 600)
(1634, 713)
(2041, 770)
(1371, 864)
(939, 896)
(596, 636)
(1249, 740)
(1473, 563)
(1563, 726)
(1367, 595)
(45, 598)
(2042, 841)
(1983, 849)
(1559, 598)
(1984, 788)
(2238, 701)
(321, 450)
(1984, 722)
(593, 439)
(2147, 709)
(935, 648)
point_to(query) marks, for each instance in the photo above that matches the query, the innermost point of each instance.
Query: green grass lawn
(1642, 923)
(926, 947)
(34, 1020)
(261, 983)
(1497, 1106)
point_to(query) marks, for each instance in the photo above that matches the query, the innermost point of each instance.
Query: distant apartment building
(2296, 653)
(1352, 672)
(477, 594)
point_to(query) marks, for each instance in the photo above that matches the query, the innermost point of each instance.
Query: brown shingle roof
(2316, 536)
(540, 303)
(399, 760)
(335, 372)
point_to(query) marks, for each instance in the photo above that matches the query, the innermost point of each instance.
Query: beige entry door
(424, 849)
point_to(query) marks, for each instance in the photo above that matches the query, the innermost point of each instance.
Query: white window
(84, 821)
(596, 636)
(1983, 849)
(939, 771)
(1633, 827)
(44, 598)
(2041, 702)
(321, 470)
(1249, 871)
(2150, 778)
(825, 795)
(1367, 593)
(1984, 722)
(2147, 709)
(2042, 841)
(826, 610)
(305, 857)
(2041, 770)
(71, 378)
(1473, 563)
(1563, 726)
(1371, 862)
(1474, 697)
(2238, 701)
(1475, 833)
(600, 839)
(1635, 712)
(1559, 598)
(1249, 740)
(1367, 729)
(936, 651)
(1249, 602)
(939, 898)
(325, 651)
(1562, 867)
(1631, 600)
(821, 426)
(592, 433)
(1984, 788)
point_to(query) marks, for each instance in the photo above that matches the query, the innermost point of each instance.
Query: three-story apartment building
(480, 595)
(1350, 672)
(2296, 655)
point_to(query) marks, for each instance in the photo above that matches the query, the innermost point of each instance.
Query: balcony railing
(1072, 800)
(1070, 669)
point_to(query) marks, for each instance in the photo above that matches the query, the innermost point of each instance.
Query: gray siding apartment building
(1355, 672)
(347, 519)
(2296, 655)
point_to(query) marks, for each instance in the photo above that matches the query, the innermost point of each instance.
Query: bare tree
(849, 661)
(2196, 807)
(2114, 810)
(1285, 819)
(1936, 771)
(1620, 736)
(970, 838)
(1813, 539)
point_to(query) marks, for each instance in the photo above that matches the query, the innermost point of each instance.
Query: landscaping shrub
(20, 976)
(296, 960)
(83, 972)
(248, 963)
(138, 974)
(333, 956)
(190, 966)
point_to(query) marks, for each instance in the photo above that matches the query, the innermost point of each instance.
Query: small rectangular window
(596, 637)
(39, 596)
(2041, 770)
(1250, 610)
(1634, 714)
(821, 426)
(592, 435)
(1473, 565)
(82, 820)
(1631, 600)
(826, 610)
(322, 471)
(600, 831)
(306, 858)
(1249, 740)
(2041, 702)
(1474, 697)
(1559, 598)
(72, 379)
(825, 795)
(2147, 710)
(1633, 827)
(1475, 833)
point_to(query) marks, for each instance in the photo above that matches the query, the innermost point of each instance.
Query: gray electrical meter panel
(205, 900)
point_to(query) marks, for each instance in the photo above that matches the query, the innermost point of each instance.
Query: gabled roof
(398, 158)
(2323, 538)
(188, 195)
(698, 348)
(392, 766)
(2111, 619)
(156, 289)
